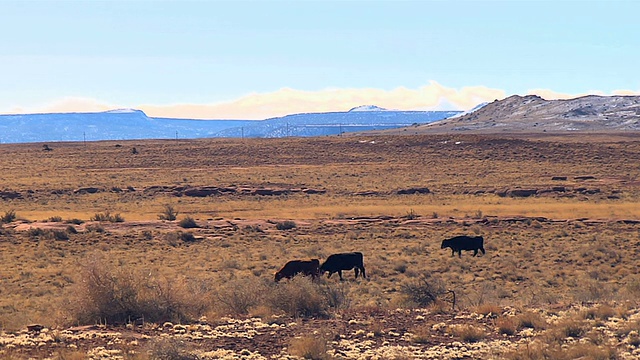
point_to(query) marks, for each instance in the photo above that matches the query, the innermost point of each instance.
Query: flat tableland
(559, 215)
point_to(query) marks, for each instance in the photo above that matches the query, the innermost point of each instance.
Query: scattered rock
(585, 177)
(201, 191)
(366, 193)
(10, 195)
(411, 191)
(87, 190)
(559, 178)
(522, 192)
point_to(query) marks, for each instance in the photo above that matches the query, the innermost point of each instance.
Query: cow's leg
(482, 249)
(340, 273)
(363, 274)
(460, 253)
(453, 251)
(330, 273)
(475, 252)
(356, 271)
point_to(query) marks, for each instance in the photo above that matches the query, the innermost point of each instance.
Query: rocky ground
(355, 334)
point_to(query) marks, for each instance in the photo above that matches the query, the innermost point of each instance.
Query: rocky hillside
(534, 114)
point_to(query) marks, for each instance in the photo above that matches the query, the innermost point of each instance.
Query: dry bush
(529, 351)
(583, 351)
(628, 327)
(51, 234)
(74, 221)
(169, 213)
(97, 228)
(55, 219)
(532, 320)
(600, 312)
(67, 354)
(188, 223)
(107, 216)
(591, 291)
(169, 348)
(488, 309)
(106, 293)
(440, 307)
(286, 225)
(567, 328)
(301, 297)
(422, 334)
(239, 296)
(175, 237)
(309, 347)
(507, 325)
(540, 351)
(376, 327)
(35, 232)
(467, 333)
(424, 291)
(9, 216)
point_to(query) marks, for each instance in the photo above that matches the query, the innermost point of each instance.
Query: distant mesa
(125, 124)
(123, 111)
(367, 108)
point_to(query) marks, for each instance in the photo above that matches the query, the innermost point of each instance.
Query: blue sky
(257, 59)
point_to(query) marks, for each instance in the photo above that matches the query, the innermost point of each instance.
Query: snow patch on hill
(367, 108)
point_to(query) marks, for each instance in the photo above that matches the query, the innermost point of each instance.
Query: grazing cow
(344, 261)
(463, 242)
(295, 267)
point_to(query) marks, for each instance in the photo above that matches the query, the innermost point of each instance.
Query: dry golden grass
(311, 347)
(541, 250)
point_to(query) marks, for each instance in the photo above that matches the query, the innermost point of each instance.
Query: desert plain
(94, 265)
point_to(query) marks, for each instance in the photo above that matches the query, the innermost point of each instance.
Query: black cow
(464, 242)
(295, 267)
(344, 261)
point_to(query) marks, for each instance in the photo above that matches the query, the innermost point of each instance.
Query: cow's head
(279, 276)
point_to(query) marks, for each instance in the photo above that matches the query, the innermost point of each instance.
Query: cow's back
(343, 259)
